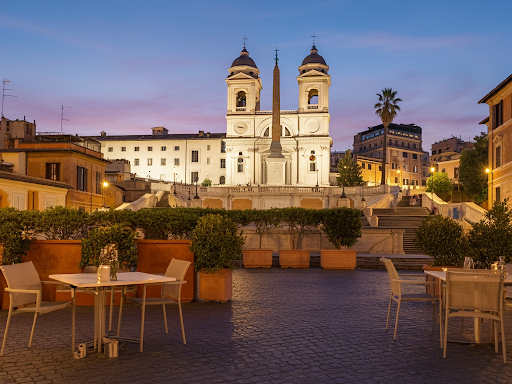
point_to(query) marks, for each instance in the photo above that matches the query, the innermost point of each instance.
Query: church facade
(304, 133)
(239, 156)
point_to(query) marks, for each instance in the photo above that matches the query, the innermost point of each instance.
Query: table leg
(73, 319)
(112, 297)
(143, 314)
(123, 294)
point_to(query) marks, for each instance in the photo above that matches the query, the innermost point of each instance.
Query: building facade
(407, 164)
(445, 157)
(499, 130)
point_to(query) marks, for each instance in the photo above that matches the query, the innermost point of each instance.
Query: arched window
(240, 165)
(222, 180)
(240, 99)
(267, 132)
(313, 96)
(286, 132)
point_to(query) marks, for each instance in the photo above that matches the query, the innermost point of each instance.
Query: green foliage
(120, 235)
(350, 173)
(342, 226)
(491, 237)
(13, 227)
(300, 222)
(473, 163)
(443, 240)
(206, 183)
(439, 182)
(111, 217)
(215, 243)
(263, 220)
(60, 223)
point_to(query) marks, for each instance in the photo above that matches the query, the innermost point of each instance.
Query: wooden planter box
(155, 256)
(257, 258)
(216, 286)
(294, 258)
(338, 259)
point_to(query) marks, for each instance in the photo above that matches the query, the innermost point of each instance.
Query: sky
(125, 66)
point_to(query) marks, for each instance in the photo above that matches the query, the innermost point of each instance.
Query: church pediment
(313, 73)
(241, 76)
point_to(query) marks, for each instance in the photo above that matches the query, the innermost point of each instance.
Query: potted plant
(14, 244)
(263, 221)
(342, 226)
(300, 223)
(442, 239)
(215, 243)
(167, 233)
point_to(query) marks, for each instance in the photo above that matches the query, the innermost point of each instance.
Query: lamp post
(490, 197)
(432, 171)
(343, 196)
(196, 196)
(174, 182)
(317, 179)
(104, 185)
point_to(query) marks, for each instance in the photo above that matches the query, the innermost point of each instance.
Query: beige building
(445, 156)
(407, 164)
(499, 129)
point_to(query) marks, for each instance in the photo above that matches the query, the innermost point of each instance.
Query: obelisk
(276, 161)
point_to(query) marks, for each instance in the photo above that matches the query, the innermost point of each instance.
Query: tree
(440, 183)
(387, 110)
(473, 163)
(349, 171)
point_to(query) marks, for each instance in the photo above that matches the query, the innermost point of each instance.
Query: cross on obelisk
(276, 55)
(245, 38)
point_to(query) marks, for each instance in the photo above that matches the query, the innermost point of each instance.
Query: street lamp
(196, 196)
(343, 196)
(105, 185)
(491, 197)
(432, 170)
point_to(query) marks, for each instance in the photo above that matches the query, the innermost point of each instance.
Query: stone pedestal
(276, 170)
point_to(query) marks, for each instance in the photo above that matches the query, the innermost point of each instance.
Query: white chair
(396, 282)
(24, 287)
(171, 293)
(478, 294)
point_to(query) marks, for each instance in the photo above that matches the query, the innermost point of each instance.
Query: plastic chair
(477, 294)
(171, 293)
(396, 282)
(24, 287)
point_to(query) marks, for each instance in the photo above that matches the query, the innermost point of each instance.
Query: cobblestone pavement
(283, 326)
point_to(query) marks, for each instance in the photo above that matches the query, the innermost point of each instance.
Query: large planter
(338, 259)
(294, 258)
(155, 256)
(217, 286)
(257, 258)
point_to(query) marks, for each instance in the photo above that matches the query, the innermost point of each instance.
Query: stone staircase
(164, 201)
(403, 217)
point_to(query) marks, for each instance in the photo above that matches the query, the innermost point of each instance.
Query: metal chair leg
(6, 327)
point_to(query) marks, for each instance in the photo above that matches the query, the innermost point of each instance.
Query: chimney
(103, 133)
(207, 134)
(201, 133)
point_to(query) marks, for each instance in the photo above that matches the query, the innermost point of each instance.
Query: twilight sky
(126, 66)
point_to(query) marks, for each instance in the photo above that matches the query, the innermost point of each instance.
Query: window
(414, 147)
(415, 169)
(406, 182)
(369, 167)
(223, 163)
(176, 148)
(396, 143)
(443, 170)
(123, 149)
(194, 158)
(498, 194)
(394, 166)
(313, 96)
(163, 161)
(380, 167)
(497, 115)
(241, 154)
(405, 155)
(194, 176)
(98, 183)
(135, 161)
(150, 161)
(312, 166)
(415, 156)
(136, 149)
(456, 172)
(81, 178)
(111, 149)
(207, 160)
(498, 156)
(222, 147)
(208, 147)
(163, 148)
(176, 162)
(363, 165)
(240, 99)
(222, 180)
(53, 171)
(266, 133)
(150, 149)
(240, 168)
(396, 180)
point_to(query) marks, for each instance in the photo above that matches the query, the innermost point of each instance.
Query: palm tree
(386, 109)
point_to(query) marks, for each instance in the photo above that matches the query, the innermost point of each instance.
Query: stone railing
(149, 200)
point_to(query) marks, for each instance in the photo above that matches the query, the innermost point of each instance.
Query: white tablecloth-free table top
(89, 280)
(442, 275)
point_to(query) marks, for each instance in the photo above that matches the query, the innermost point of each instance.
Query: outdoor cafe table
(440, 277)
(89, 280)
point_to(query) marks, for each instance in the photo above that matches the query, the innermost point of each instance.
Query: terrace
(282, 326)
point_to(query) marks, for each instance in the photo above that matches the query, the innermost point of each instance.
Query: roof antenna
(3, 93)
(245, 38)
(62, 117)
